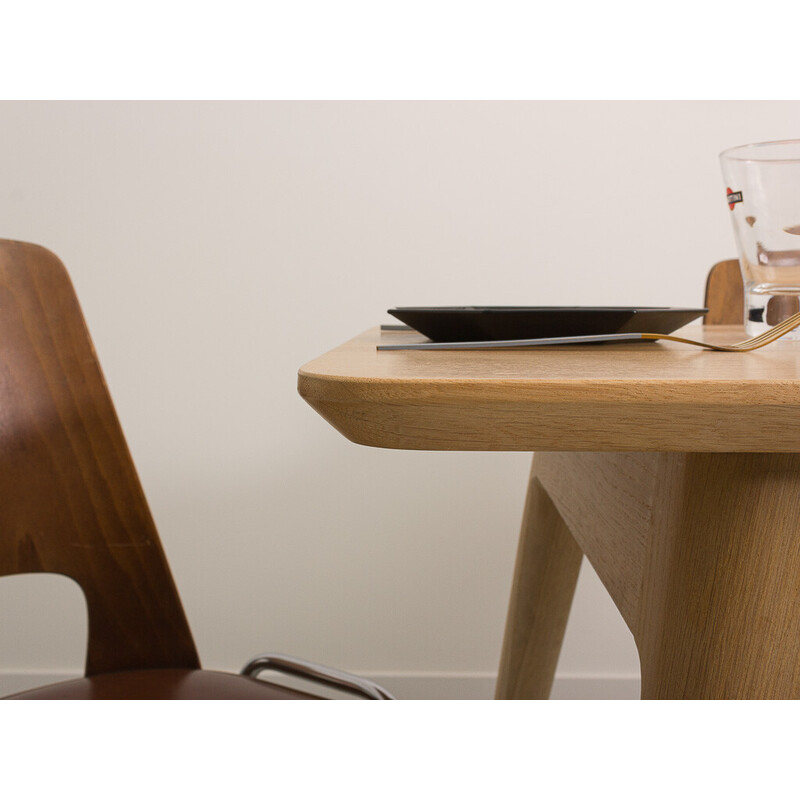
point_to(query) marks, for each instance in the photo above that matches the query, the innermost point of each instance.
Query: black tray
(492, 323)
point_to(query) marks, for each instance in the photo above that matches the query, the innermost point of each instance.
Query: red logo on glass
(733, 198)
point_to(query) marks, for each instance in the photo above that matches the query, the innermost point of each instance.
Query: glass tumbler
(763, 194)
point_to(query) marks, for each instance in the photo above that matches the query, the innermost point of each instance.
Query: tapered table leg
(720, 605)
(546, 571)
(700, 551)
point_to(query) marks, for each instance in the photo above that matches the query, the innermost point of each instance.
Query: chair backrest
(725, 294)
(70, 499)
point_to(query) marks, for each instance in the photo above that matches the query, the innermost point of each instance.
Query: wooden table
(676, 471)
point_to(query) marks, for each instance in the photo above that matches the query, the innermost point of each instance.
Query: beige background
(218, 246)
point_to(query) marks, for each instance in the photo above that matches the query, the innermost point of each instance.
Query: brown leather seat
(71, 503)
(163, 684)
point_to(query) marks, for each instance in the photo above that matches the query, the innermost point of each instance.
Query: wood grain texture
(606, 500)
(546, 571)
(720, 605)
(699, 551)
(630, 397)
(688, 507)
(70, 499)
(725, 294)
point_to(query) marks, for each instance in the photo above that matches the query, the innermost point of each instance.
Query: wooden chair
(724, 294)
(71, 503)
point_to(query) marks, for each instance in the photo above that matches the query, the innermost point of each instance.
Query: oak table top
(682, 490)
(627, 396)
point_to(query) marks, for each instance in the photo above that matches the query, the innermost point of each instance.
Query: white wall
(216, 247)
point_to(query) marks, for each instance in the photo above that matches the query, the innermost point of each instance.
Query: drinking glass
(763, 194)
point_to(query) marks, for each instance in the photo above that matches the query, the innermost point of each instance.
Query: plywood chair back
(725, 294)
(70, 499)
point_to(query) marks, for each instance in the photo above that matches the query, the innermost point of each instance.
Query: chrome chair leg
(343, 681)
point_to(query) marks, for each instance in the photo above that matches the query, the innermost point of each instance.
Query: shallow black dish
(493, 323)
